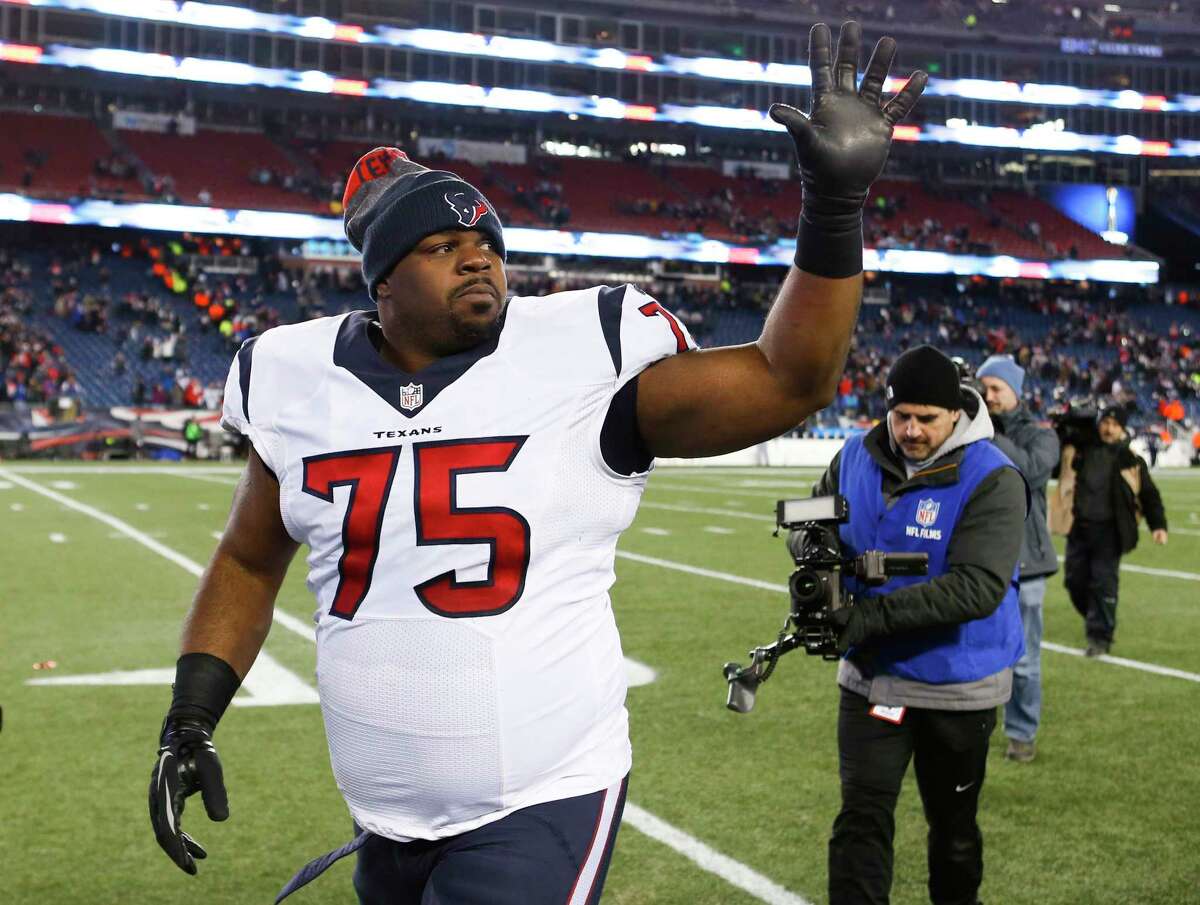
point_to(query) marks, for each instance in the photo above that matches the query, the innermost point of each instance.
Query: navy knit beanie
(392, 203)
(924, 376)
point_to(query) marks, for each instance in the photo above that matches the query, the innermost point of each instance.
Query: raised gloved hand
(187, 763)
(842, 144)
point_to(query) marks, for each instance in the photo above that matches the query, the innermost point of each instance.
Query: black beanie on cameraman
(924, 376)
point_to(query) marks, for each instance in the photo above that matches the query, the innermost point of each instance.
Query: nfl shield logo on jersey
(927, 512)
(412, 396)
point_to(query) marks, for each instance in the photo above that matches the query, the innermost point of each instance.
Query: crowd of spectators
(1073, 340)
(722, 206)
(33, 368)
(1074, 343)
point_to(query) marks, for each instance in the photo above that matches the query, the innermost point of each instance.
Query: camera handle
(744, 680)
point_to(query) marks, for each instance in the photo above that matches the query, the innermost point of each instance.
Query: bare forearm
(807, 334)
(231, 613)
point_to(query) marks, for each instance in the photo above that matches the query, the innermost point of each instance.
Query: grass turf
(1106, 814)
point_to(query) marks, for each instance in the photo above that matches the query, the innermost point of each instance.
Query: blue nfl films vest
(922, 520)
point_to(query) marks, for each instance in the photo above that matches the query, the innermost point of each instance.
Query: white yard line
(733, 872)
(723, 491)
(1148, 570)
(1122, 661)
(731, 513)
(212, 479)
(782, 588)
(703, 573)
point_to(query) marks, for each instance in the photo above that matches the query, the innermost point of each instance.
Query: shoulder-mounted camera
(817, 588)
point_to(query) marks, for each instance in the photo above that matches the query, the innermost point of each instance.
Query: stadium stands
(104, 318)
(66, 156)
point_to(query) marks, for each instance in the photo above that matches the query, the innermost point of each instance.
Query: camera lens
(809, 589)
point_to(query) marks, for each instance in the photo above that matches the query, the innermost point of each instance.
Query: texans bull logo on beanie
(391, 203)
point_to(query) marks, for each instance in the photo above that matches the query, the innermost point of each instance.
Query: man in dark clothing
(1034, 450)
(927, 658)
(1112, 490)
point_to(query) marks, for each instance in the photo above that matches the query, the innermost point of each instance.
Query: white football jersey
(462, 525)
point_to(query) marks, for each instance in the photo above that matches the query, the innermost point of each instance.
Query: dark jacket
(981, 556)
(1133, 492)
(1034, 450)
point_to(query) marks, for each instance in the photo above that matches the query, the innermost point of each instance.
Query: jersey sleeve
(639, 331)
(236, 413)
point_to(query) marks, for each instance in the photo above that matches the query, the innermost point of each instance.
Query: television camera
(816, 588)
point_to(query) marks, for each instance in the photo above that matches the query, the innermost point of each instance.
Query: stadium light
(129, 62)
(530, 50)
(682, 247)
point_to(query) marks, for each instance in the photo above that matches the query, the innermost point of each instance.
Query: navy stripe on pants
(556, 853)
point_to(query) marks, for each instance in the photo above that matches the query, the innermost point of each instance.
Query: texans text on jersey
(410, 432)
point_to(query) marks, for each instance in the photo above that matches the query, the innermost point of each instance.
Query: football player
(460, 465)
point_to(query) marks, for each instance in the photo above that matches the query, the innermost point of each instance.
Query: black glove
(841, 146)
(187, 763)
(848, 624)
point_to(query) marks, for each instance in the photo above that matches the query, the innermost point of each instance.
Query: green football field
(99, 564)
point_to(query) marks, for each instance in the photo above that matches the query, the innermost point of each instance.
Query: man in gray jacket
(1034, 450)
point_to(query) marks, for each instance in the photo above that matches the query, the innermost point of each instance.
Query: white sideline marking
(117, 535)
(117, 677)
(732, 872)
(228, 482)
(266, 685)
(657, 532)
(63, 485)
(269, 675)
(1122, 661)
(1148, 570)
(768, 586)
(217, 535)
(56, 538)
(717, 529)
(703, 573)
(670, 507)
(5, 485)
(672, 487)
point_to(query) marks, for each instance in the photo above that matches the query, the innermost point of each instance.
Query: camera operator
(1033, 449)
(927, 659)
(1111, 489)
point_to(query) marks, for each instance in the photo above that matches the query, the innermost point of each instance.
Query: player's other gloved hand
(842, 145)
(187, 761)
